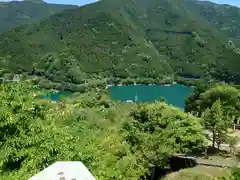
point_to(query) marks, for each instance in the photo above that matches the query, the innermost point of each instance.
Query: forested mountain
(15, 13)
(226, 18)
(114, 41)
(127, 38)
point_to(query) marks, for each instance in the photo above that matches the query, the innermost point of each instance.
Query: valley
(122, 86)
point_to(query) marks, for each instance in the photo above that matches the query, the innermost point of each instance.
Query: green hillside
(89, 48)
(16, 13)
(125, 38)
(226, 18)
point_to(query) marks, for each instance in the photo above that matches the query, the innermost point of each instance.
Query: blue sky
(76, 2)
(82, 2)
(232, 2)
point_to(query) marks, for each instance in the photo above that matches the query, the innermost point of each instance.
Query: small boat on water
(136, 98)
(109, 85)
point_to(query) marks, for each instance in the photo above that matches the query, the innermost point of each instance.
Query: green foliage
(29, 138)
(204, 97)
(192, 102)
(157, 131)
(235, 175)
(232, 141)
(120, 39)
(112, 140)
(111, 42)
(228, 95)
(224, 17)
(35, 1)
(35, 133)
(13, 14)
(216, 122)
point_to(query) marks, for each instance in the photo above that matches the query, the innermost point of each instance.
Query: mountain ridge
(35, 1)
(121, 39)
(225, 17)
(15, 13)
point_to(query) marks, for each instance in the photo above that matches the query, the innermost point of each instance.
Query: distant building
(71, 170)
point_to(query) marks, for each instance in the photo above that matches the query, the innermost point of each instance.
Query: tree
(215, 121)
(29, 138)
(232, 141)
(34, 133)
(192, 102)
(203, 98)
(220, 139)
(229, 96)
(157, 131)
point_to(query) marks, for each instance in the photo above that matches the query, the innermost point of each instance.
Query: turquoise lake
(174, 94)
(56, 96)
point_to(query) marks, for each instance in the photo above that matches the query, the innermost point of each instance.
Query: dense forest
(15, 13)
(46, 47)
(120, 39)
(226, 18)
(114, 140)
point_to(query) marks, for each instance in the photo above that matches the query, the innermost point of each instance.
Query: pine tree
(215, 121)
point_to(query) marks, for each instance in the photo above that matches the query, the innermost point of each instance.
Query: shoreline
(135, 84)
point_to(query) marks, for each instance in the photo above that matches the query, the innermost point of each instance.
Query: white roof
(71, 170)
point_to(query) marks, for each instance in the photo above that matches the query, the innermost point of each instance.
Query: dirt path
(218, 161)
(198, 172)
(226, 147)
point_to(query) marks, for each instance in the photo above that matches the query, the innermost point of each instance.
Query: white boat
(136, 98)
(109, 85)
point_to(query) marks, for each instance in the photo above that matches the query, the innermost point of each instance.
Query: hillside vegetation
(127, 38)
(226, 18)
(108, 42)
(115, 141)
(15, 13)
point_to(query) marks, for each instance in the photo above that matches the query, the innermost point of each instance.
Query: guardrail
(237, 126)
(179, 162)
(217, 163)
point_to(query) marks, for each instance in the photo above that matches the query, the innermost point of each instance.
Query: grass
(198, 173)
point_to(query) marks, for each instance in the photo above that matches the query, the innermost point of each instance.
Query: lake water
(56, 96)
(174, 94)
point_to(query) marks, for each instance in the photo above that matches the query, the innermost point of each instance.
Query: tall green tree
(233, 141)
(157, 131)
(215, 121)
(203, 98)
(35, 133)
(192, 102)
(229, 96)
(29, 139)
